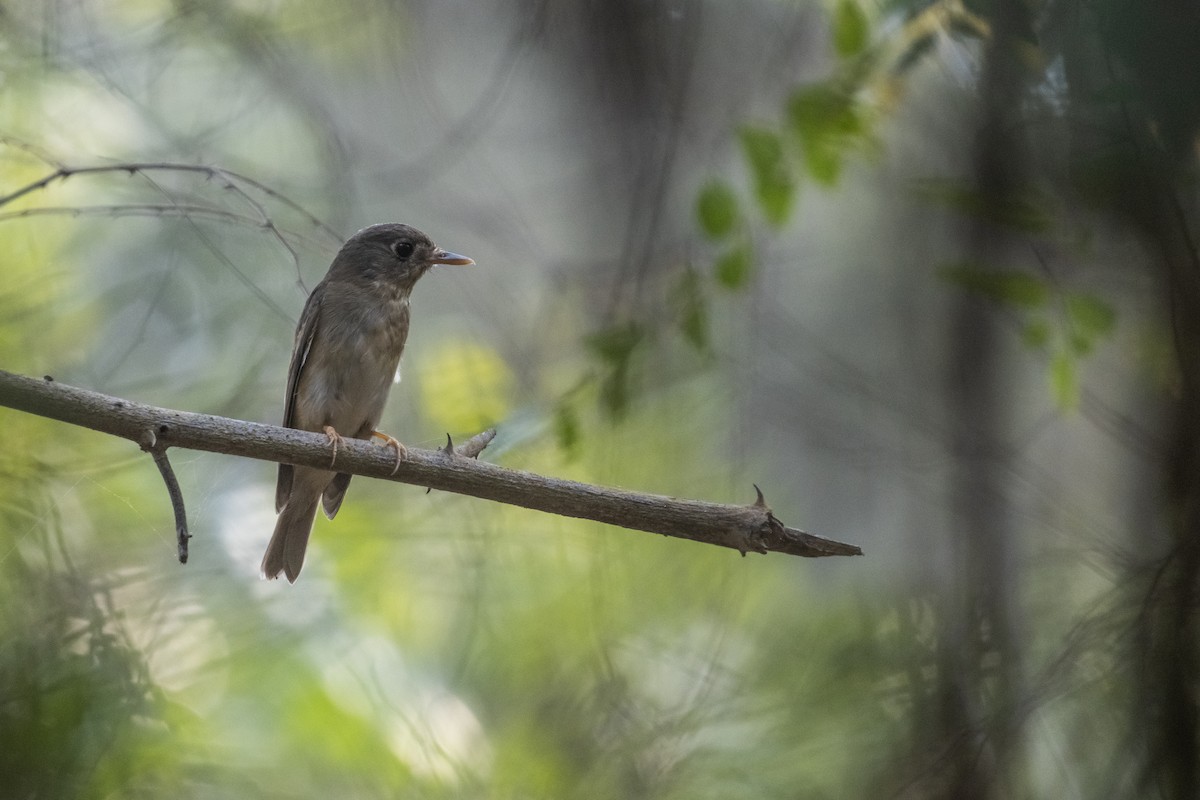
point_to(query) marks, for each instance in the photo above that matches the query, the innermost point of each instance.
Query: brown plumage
(348, 345)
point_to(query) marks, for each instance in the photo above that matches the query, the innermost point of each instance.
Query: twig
(134, 167)
(187, 212)
(136, 210)
(29, 148)
(472, 447)
(229, 180)
(745, 528)
(151, 444)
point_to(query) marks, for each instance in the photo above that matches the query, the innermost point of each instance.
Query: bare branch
(151, 444)
(472, 447)
(231, 180)
(746, 528)
(240, 186)
(136, 210)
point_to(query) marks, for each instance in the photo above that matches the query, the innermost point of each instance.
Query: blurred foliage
(717, 209)
(1022, 211)
(691, 309)
(1065, 326)
(850, 29)
(828, 121)
(465, 386)
(615, 349)
(437, 646)
(80, 715)
(774, 183)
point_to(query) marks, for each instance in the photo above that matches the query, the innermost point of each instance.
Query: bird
(345, 356)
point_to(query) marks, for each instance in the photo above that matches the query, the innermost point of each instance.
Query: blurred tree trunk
(979, 651)
(1171, 641)
(1170, 644)
(1154, 54)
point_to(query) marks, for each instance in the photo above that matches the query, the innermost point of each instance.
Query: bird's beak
(445, 257)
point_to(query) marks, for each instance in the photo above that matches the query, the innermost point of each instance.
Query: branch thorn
(761, 501)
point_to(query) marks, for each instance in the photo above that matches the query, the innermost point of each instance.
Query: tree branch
(158, 451)
(748, 528)
(230, 178)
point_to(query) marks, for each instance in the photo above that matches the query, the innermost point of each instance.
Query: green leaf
(1007, 287)
(691, 310)
(824, 161)
(716, 210)
(1080, 344)
(1022, 210)
(849, 29)
(1036, 333)
(822, 110)
(615, 392)
(566, 429)
(1090, 316)
(824, 122)
(1064, 380)
(774, 183)
(733, 268)
(615, 347)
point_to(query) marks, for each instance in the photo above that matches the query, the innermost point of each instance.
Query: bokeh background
(923, 270)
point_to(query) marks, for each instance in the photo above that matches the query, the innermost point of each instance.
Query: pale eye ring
(403, 249)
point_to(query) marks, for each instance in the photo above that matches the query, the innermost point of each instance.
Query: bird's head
(390, 254)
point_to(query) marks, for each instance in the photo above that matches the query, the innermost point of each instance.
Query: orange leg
(394, 443)
(334, 439)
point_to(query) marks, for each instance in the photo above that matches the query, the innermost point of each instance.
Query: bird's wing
(306, 332)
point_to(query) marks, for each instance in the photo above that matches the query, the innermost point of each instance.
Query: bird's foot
(335, 439)
(395, 444)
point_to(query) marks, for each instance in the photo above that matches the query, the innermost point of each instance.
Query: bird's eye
(402, 249)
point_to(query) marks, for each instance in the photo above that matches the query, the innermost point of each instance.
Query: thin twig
(136, 210)
(230, 181)
(234, 182)
(158, 451)
(472, 447)
(185, 212)
(29, 148)
(133, 167)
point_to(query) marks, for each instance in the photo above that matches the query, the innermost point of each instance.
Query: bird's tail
(285, 553)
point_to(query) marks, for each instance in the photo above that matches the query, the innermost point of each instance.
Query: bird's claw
(395, 444)
(335, 439)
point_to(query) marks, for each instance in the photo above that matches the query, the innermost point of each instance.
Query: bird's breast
(351, 366)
